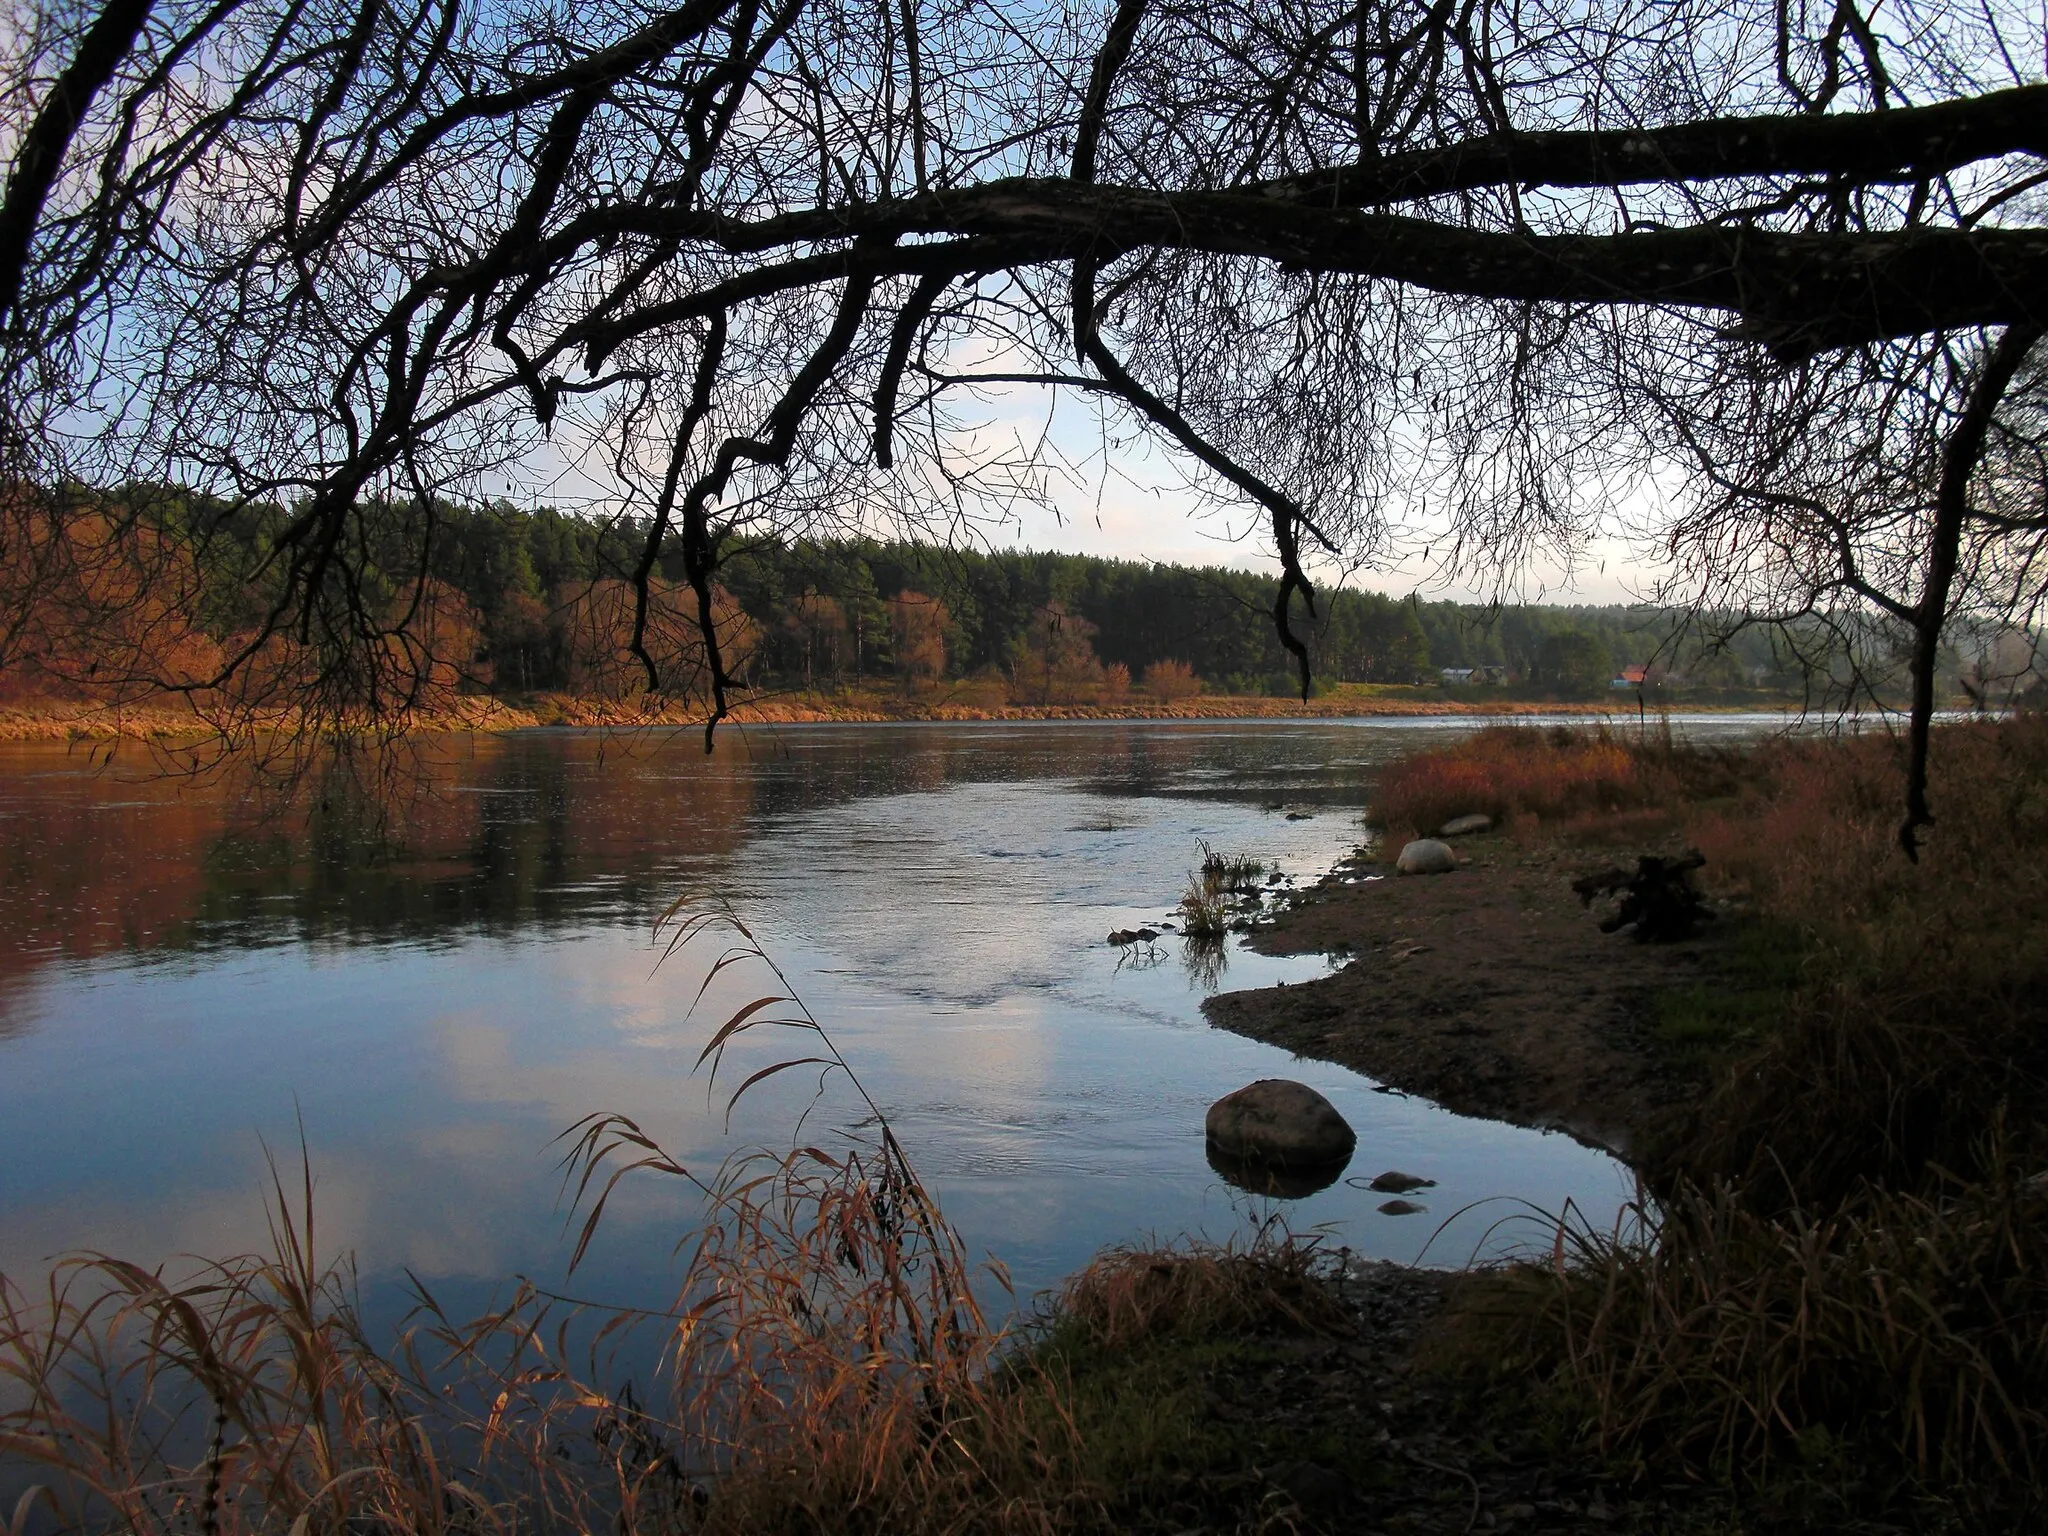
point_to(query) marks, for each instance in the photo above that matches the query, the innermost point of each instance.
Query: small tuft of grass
(1199, 1290)
(1233, 872)
(1204, 910)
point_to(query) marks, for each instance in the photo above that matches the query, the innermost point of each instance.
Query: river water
(189, 981)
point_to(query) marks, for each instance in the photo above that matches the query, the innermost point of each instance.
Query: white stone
(1458, 826)
(1426, 856)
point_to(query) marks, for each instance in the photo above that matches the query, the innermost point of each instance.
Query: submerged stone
(1402, 1208)
(1276, 1183)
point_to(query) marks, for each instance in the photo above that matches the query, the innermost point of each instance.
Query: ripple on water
(938, 895)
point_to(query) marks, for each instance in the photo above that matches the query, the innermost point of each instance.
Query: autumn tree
(917, 637)
(1055, 655)
(602, 622)
(1167, 680)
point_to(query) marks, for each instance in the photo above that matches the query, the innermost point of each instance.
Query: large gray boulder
(1280, 1123)
(1426, 856)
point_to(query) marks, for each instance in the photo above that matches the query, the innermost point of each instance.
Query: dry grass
(1198, 1290)
(1204, 908)
(1546, 772)
(1892, 1330)
(1234, 872)
(1844, 1278)
(1923, 1015)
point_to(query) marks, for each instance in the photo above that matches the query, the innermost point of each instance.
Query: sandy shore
(1488, 990)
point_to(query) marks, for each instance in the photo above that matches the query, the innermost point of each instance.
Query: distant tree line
(526, 601)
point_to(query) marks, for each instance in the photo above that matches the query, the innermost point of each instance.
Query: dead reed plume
(826, 1366)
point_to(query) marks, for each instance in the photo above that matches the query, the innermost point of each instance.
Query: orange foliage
(1168, 680)
(1510, 770)
(1055, 656)
(596, 623)
(917, 636)
(818, 625)
(433, 645)
(94, 607)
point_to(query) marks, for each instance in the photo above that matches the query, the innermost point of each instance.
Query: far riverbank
(76, 719)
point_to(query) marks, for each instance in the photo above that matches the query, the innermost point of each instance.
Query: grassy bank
(1842, 1305)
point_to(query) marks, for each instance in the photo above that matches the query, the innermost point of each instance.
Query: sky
(1137, 511)
(1122, 495)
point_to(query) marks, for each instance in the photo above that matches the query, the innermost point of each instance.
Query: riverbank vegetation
(530, 614)
(1840, 1295)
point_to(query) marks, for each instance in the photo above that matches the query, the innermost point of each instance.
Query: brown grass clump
(1204, 908)
(1197, 1290)
(1546, 772)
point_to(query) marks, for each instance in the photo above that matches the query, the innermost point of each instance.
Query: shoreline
(77, 720)
(1487, 990)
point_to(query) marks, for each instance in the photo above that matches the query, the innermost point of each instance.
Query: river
(189, 981)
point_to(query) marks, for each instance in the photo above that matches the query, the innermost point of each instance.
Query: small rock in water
(1394, 1182)
(1402, 1208)
(1458, 826)
(1426, 856)
(1301, 816)
(1281, 1122)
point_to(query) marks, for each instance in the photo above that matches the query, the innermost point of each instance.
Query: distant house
(1630, 677)
(1455, 677)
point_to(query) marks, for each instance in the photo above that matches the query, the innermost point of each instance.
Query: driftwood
(1658, 899)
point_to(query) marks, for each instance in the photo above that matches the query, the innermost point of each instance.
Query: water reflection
(1256, 1178)
(183, 976)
